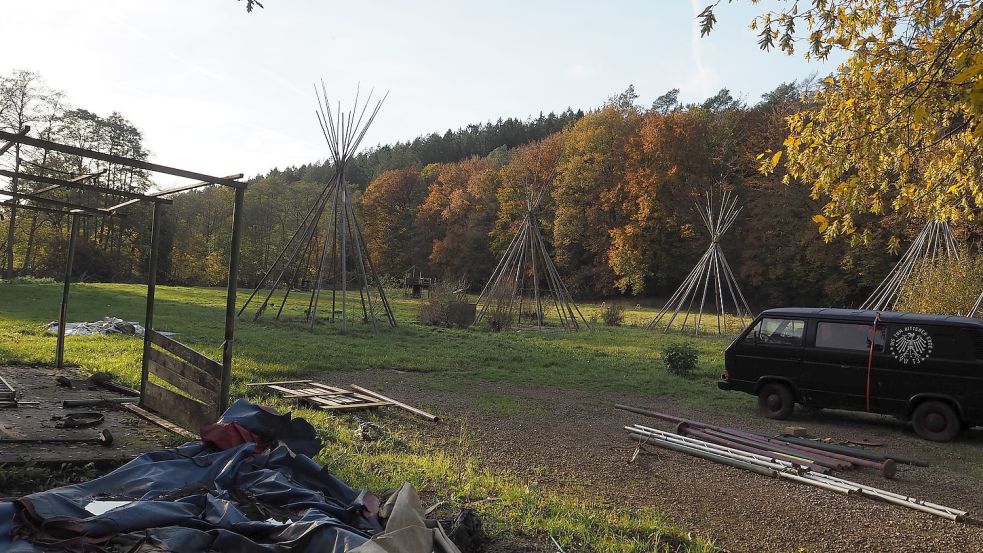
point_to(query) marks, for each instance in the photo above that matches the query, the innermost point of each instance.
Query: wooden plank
(192, 186)
(181, 410)
(187, 386)
(409, 408)
(110, 158)
(308, 393)
(77, 185)
(160, 421)
(206, 384)
(354, 406)
(186, 354)
(22, 132)
(280, 382)
(331, 388)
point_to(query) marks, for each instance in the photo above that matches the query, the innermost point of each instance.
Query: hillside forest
(621, 181)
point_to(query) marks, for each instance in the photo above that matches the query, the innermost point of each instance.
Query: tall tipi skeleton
(328, 250)
(712, 276)
(934, 243)
(526, 273)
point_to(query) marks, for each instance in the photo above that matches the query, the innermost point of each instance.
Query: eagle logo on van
(911, 345)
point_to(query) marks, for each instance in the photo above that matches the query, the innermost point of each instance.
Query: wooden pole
(230, 302)
(63, 311)
(148, 321)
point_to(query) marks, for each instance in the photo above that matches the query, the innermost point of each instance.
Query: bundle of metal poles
(791, 460)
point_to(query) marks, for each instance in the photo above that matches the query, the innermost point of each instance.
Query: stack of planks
(332, 398)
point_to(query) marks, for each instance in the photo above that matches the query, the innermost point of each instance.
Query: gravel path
(573, 441)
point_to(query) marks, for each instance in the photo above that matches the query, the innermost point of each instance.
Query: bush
(613, 314)
(680, 358)
(435, 310)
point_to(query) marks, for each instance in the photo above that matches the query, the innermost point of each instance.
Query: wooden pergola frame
(180, 371)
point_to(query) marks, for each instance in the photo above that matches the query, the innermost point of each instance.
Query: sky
(221, 91)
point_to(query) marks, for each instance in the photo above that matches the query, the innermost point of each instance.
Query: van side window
(782, 332)
(851, 336)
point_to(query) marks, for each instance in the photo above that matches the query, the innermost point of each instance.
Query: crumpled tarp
(199, 498)
(108, 325)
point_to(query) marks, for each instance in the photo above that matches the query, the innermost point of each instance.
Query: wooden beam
(279, 382)
(381, 397)
(68, 205)
(192, 186)
(120, 160)
(10, 203)
(159, 421)
(185, 353)
(124, 204)
(80, 186)
(23, 132)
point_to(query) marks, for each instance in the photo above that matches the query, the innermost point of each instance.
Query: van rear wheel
(936, 421)
(776, 401)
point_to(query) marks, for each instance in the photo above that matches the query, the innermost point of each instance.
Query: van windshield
(783, 332)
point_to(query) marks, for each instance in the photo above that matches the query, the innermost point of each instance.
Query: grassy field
(618, 359)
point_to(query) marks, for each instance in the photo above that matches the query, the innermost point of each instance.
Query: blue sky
(218, 90)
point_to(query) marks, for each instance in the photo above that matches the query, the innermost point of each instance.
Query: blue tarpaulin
(200, 498)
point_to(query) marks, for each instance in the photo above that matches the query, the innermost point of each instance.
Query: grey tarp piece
(108, 325)
(406, 528)
(198, 498)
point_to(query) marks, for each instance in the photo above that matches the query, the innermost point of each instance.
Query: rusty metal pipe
(852, 451)
(797, 461)
(786, 449)
(887, 467)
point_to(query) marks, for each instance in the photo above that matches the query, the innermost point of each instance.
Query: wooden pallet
(322, 396)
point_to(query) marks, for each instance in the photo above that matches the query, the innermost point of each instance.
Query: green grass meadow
(617, 359)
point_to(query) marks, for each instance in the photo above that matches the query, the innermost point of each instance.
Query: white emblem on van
(911, 345)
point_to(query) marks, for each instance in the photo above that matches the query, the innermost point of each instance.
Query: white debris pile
(108, 325)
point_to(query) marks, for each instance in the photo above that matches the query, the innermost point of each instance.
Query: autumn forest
(621, 181)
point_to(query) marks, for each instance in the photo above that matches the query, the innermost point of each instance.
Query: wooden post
(63, 312)
(148, 322)
(230, 302)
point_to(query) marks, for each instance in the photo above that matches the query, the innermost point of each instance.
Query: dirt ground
(574, 441)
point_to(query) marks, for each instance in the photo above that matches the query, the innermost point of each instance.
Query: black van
(923, 368)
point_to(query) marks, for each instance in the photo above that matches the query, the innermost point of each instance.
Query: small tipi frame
(526, 272)
(934, 242)
(711, 276)
(328, 252)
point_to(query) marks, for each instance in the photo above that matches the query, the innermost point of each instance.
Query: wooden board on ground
(132, 435)
(332, 398)
(322, 396)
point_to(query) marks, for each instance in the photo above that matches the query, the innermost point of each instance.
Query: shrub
(680, 358)
(613, 314)
(435, 310)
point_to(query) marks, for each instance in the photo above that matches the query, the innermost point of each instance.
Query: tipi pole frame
(712, 266)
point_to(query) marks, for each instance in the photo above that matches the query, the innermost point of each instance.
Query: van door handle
(844, 366)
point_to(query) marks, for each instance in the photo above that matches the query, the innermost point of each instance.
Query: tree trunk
(26, 267)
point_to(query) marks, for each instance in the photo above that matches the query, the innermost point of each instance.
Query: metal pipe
(706, 455)
(852, 451)
(788, 449)
(711, 447)
(798, 461)
(879, 491)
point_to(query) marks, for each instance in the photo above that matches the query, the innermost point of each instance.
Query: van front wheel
(776, 401)
(936, 421)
